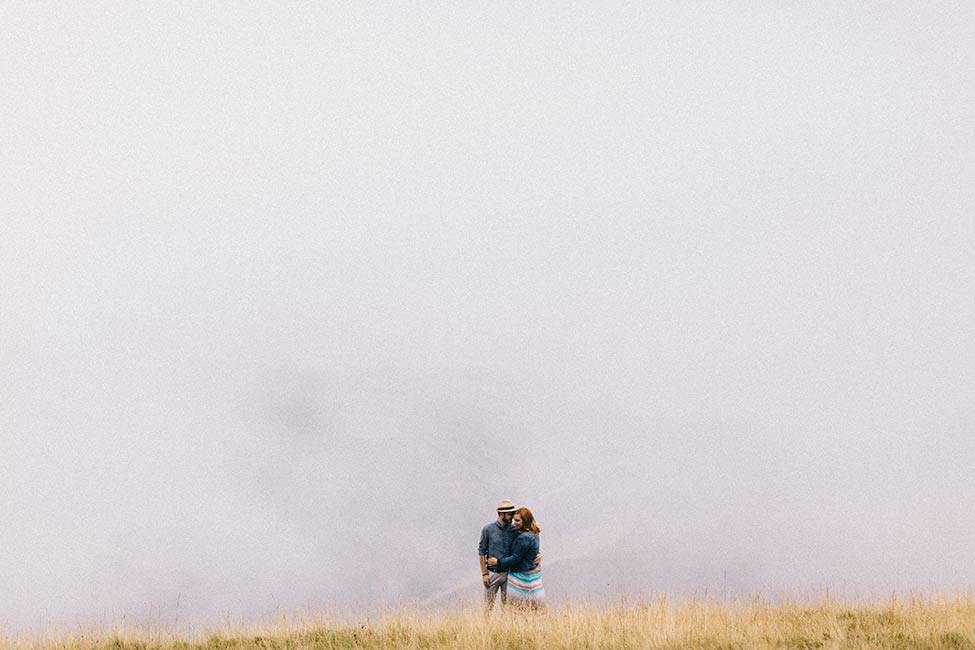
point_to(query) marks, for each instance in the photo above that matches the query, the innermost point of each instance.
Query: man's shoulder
(486, 527)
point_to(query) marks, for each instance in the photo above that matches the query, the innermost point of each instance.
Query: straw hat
(505, 506)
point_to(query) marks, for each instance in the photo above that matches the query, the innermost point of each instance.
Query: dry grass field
(938, 622)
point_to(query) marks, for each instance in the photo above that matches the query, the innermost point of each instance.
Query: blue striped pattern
(525, 586)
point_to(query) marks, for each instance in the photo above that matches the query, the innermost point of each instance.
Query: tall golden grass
(933, 622)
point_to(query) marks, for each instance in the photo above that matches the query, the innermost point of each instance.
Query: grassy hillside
(918, 623)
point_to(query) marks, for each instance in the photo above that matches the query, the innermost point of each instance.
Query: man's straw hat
(505, 506)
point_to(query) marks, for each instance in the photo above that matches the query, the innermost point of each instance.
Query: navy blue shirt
(523, 553)
(496, 541)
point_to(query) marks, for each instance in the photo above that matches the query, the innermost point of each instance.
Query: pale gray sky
(291, 296)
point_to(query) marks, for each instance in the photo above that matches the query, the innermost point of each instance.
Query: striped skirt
(525, 587)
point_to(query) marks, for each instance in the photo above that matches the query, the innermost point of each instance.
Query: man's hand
(486, 579)
(492, 561)
(538, 559)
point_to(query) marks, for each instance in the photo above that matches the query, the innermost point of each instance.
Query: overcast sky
(291, 296)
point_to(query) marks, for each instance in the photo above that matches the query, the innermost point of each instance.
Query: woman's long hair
(528, 521)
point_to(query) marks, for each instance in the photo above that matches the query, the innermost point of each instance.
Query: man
(497, 538)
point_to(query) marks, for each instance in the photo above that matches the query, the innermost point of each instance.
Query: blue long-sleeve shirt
(523, 554)
(496, 541)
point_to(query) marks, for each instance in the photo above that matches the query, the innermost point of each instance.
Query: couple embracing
(510, 560)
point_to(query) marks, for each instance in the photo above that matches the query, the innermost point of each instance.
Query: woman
(525, 590)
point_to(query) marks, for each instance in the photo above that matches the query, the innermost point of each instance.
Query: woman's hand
(492, 561)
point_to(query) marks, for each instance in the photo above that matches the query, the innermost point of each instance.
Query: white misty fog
(289, 298)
